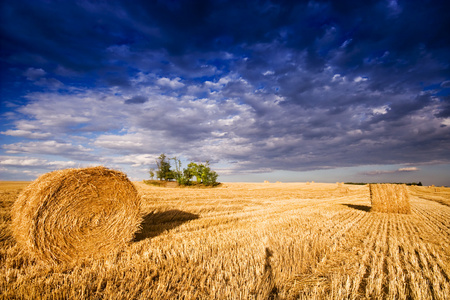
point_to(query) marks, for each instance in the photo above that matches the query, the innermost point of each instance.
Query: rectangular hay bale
(390, 198)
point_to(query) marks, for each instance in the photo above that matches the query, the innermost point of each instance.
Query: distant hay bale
(76, 213)
(278, 181)
(390, 198)
(342, 190)
(266, 181)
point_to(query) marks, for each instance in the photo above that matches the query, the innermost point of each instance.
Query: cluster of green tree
(202, 172)
(364, 183)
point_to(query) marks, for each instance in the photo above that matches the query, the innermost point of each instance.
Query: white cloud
(360, 79)
(120, 142)
(382, 172)
(59, 113)
(408, 169)
(47, 147)
(62, 164)
(173, 84)
(26, 134)
(16, 161)
(135, 160)
(382, 110)
(21, 161)
(68, 150)
(338, 78)
(355, 132)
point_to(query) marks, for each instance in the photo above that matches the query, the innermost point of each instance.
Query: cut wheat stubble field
(252, 241)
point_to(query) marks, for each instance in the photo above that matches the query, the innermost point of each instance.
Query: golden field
(252, 241)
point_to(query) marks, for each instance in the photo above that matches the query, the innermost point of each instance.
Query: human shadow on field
(359, 207)
(155, 223)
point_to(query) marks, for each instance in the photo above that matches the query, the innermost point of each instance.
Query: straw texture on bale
(390, 198)
(76, 213)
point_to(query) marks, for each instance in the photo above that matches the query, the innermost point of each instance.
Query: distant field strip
(254, 241)
(437, 194)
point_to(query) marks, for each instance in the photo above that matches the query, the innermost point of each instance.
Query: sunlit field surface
(253, 241)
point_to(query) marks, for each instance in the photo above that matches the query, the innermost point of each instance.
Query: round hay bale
(76, 213)
(389, 198)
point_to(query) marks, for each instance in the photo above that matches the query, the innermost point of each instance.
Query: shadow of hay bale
(359, 207)
(155, 223)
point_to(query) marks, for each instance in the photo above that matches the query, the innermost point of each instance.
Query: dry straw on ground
(389, 198)
(253, 241)
(76, 213)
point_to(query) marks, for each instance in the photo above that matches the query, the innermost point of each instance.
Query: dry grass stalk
(211, 244)
(390, 198)
(76, 213)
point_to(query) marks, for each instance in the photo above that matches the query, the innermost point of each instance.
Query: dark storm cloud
(54, 32)
(445, 108)
(291, 85)
(117, 79)
(136, 100)
(76, 34)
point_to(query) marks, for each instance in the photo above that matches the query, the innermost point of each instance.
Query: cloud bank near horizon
(251, 87)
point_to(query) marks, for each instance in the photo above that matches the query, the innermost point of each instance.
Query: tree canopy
(202, 172)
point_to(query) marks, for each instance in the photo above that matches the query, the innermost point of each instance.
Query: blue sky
(265, 90)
